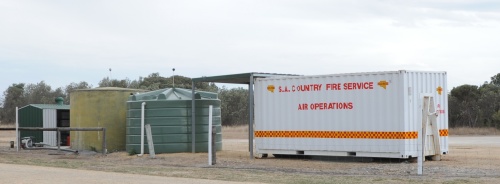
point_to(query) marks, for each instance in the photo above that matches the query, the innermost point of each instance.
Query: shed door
(50, 121)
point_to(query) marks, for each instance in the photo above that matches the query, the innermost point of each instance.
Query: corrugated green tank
(168, 111)
(99, 107)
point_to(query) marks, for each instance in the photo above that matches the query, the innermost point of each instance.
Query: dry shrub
(474, 131)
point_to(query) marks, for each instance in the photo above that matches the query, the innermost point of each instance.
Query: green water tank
(168, 112)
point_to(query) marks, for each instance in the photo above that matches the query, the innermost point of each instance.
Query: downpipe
(143, 105)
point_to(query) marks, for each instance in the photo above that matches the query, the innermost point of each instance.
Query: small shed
(45, 116)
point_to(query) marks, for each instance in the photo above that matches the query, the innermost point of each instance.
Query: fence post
(214, 148)
(58, 139)
(151, 146)
(17, 130)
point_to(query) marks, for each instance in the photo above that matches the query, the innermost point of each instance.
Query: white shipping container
(374, 114)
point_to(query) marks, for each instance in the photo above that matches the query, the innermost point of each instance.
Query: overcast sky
(63, 41)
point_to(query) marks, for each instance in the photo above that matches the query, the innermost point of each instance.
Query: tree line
(468, 105)
(234, 101)
(475, 106)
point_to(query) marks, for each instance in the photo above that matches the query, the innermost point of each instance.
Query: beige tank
(99, 107)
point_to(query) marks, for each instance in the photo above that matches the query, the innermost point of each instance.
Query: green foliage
(19, 95)
(473, 106)
(155, 81)
(13, 97)
(469, 105)
(124, 83)
(132, 152)
(495, 80)
(75, 86)
(41, 93)
(234, 106)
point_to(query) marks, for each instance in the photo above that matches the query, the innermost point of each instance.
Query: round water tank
(168, 112)
(99, 107)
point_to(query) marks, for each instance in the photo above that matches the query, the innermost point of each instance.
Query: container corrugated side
(417, 84)
(362, 113)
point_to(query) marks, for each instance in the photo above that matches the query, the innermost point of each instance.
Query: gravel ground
(471, 159)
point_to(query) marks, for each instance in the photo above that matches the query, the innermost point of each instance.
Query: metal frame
(242, 78)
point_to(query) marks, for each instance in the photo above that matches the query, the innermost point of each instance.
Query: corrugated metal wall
(50, 121)
(382, 113)
(30, 116)
(435, 84)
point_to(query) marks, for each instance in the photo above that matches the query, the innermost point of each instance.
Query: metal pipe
(210, 135)
(104, 147)
(193, 120)
(17, 129)
(250, 114)
(55, 129)
(46, 148)
(142, 128)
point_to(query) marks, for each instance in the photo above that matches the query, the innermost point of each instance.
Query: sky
(60, 42)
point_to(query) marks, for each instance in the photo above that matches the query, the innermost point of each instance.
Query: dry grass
(466, 163)
(235, 132)
(12, 125)
(474, 131)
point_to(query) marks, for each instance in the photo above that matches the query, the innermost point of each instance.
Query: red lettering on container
(358, 85)
(331, 106)
(302, 106)
(335, 86)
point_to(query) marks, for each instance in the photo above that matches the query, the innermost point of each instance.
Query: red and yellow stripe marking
(341, 134)
(443, 132)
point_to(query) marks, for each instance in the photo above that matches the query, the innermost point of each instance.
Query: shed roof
(49, 106)
(241, 78)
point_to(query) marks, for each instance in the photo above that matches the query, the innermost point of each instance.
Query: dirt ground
(471, 159)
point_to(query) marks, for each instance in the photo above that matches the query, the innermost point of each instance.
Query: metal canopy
(242, 78)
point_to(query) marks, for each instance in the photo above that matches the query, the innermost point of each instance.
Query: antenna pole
(173, 77)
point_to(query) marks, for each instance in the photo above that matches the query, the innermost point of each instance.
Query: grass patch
(457, 181)
(474, 131)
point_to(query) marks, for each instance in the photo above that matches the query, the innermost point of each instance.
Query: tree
(124, 83)
(13, 97)
(234, 106)
(42, 93)
(154, 82)
(489, 103)
(465, 109)
(74, 86)
(495, 80)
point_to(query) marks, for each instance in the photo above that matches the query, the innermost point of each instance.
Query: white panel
(50, 121)
(280, 105)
